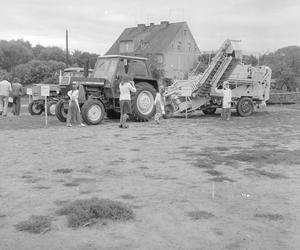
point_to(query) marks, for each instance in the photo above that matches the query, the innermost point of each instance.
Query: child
(226, 104)
(159, 105)
(126, 86)
(74, 115)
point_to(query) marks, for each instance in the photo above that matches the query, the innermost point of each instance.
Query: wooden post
(67, 49)
(46, 113)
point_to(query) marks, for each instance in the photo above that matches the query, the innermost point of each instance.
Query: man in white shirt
(226, 104)
(5, 90)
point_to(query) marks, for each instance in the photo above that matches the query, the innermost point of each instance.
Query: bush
(83, 212)
(35, 224)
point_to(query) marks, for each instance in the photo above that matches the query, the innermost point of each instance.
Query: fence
(284, 98)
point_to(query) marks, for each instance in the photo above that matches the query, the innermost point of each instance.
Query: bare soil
(196, 184)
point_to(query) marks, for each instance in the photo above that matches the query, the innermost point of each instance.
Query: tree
(156, 67)
(37, 50)
(285, 65)
(252, 60)
(52, 53)
(78, 58)
(37, 71)
(13, 53)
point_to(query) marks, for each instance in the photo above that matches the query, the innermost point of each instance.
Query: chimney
(141, 26)
(164, 23)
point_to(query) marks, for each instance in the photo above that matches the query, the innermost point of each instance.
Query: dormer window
(126, 46)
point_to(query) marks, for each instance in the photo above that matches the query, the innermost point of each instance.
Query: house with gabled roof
(172, 45)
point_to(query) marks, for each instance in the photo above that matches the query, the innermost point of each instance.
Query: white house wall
(178, 63)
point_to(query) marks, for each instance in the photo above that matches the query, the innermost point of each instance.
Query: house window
(179, 46)
(185, 32)
(126, 46)
(189, 47)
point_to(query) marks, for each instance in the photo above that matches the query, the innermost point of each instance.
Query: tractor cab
(112, 67)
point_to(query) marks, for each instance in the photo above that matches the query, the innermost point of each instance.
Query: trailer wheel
(143, 107)
(92, 112)
(209, 111)
(245, 106)
(169, 111)
(51, 106)
(35, 108)
(61, 111)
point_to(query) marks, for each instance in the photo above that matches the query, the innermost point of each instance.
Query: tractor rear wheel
(51, 106)
(35, 108)
(143, 107)
(92, 112)
(245, 106)
(209, 111)
(61, 111)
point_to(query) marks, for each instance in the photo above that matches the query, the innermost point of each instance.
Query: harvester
(250, 85)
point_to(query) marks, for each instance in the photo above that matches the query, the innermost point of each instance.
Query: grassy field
(196, 184)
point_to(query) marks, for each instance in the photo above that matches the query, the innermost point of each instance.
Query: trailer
(250, 85)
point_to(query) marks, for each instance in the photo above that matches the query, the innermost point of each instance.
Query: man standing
(5, 90)
(226, 104)
(16, 93)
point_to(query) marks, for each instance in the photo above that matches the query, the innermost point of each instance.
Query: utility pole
(67, 49)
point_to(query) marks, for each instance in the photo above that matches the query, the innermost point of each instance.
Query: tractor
(100, 91)
(37, 105)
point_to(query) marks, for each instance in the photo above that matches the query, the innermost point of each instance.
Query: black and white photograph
(128, 125)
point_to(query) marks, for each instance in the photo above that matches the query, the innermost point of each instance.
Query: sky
(94, 25)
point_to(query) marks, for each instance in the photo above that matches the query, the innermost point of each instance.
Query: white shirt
(226, 97)
(125, 90)
(73, 94)
(5, 88)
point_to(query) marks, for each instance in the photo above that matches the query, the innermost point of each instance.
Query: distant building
(172, 45)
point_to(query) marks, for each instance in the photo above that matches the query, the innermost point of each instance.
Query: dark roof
(149, 39)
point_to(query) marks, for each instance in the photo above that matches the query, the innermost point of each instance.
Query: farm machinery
(250, 85)
(99, 93)
(37, 104)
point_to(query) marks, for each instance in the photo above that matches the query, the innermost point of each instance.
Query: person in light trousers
(226, 104)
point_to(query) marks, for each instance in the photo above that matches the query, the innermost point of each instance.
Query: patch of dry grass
(35, 224)
(221, 179)
(214, 172)
(63, 170)
(269, 156)
(198, 215)
(268, 216)
(86, 212)
(260, 172)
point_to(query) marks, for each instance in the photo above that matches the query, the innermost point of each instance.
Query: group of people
(7, 90)
(126, 86)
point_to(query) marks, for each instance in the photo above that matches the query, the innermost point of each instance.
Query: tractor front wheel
(93, 112)
(36, 108)
(61, 110)
(51, 106)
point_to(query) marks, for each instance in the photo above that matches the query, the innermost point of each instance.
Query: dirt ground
(196, 184)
